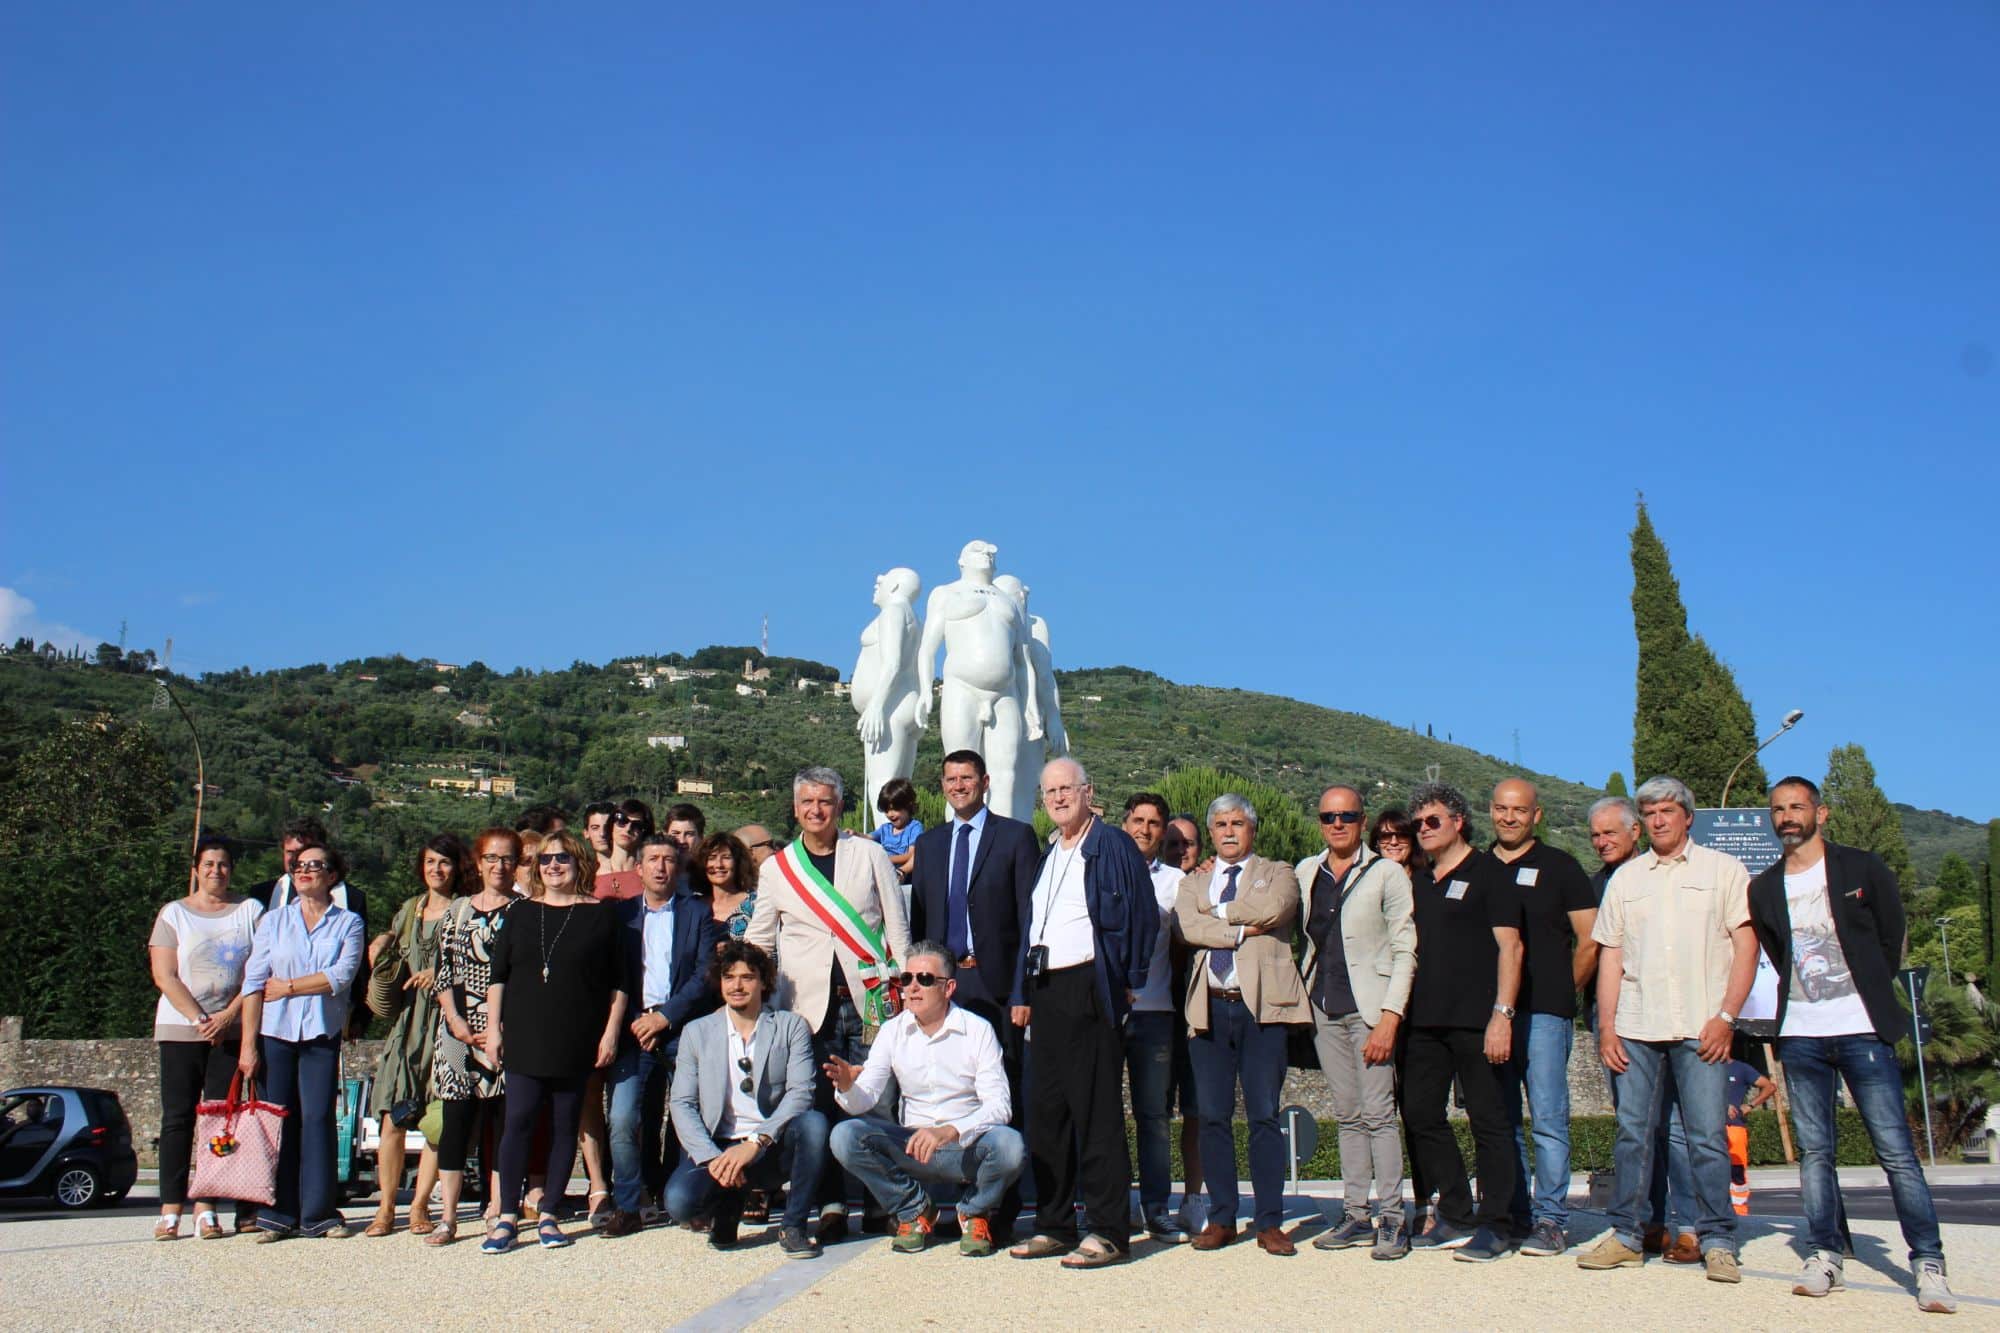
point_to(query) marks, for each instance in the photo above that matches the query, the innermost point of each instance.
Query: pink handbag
(236, 1147)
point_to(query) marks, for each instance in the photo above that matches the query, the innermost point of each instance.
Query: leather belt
(968, 961)
(1217, 994)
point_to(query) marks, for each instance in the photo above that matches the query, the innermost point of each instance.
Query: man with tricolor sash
(831, 910)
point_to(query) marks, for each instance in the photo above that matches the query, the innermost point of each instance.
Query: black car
(70, 1144)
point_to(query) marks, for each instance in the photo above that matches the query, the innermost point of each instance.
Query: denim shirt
(285, 948)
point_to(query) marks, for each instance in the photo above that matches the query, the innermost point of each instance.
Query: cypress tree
(1990, 916)
(1689, 720)
(1859, 815)
(1957, 885)
(1615, 785)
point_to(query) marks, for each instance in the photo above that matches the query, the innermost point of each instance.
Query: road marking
(1892, 1288)
(752, 1302)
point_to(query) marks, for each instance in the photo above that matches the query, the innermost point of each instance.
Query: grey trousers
(1364, 1102)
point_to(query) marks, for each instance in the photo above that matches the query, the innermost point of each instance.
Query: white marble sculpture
(1053, 743)
(885, 689)
(990, 701)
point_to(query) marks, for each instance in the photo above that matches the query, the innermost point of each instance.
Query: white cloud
(17, 617)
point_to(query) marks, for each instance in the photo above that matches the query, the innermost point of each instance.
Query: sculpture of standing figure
(983, 706)
(1054, 742)
(885, 687)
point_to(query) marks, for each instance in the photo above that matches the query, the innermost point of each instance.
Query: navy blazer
(1117, 885)
(1868, 920)
(999, 890)
(696, 936)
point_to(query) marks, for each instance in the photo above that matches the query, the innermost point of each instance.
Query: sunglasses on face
(1392, 835)
(621, 819)
(1430, 822)
(743, 1063)
(310, 867)
(924, 979)
(1340, 816)
(547, 859)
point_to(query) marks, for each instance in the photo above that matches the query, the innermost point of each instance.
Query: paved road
(1967, 1205)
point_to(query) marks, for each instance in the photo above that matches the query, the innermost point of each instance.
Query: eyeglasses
(924, 979)
(1432, 822)
(743, 1063)
(1340, 816)
(768, 842)
(555, 859)
(498, 859)
(1067, 789)
(310, 867)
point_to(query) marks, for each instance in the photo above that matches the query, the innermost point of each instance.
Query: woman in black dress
(557, 999)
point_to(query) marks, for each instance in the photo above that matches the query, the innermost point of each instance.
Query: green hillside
(368, 742)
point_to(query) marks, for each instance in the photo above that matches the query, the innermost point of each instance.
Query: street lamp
(1791, 720)
(1945, 940)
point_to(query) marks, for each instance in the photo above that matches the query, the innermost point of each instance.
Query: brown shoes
(1686, 1250)
(1273, 1241)
(618, 1223)
(1212, 1237)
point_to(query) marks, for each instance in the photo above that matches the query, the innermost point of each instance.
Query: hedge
(1590, 1142)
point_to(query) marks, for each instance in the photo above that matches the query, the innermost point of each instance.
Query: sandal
(1095, 1252)
(499, 1237)
(550, 1236)
(421, 1223)
(1040, 1246)
(381, 1226)
(444, 1233)
(167, 1228)
(208, 1227)
(597, 1216)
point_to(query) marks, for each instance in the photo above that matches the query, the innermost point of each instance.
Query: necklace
(548, 954)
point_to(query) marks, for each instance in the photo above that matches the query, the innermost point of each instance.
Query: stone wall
(130, 1068)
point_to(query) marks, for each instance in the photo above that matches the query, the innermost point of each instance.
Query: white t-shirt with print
(1822, 1000)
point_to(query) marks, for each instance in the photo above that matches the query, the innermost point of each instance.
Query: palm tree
(1962, 1061)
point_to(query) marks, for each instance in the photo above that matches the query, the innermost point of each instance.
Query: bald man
(760, 842)
(1558, 909)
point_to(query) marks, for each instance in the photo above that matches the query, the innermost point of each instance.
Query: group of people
(745, 1025)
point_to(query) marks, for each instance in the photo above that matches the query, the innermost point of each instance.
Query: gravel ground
(102, 1271)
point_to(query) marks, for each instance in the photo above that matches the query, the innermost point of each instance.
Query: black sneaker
(722, 1230)
(1391, 1242)
(1352, 1231)
(1545, 1240)
(1442, 1236)
(1485, 1246)
(795, 1244)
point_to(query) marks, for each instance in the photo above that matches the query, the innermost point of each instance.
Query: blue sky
(1311, 349)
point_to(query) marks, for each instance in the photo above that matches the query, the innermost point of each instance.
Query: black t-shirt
(551, 1028)
(1458, 960)
(1551, 885)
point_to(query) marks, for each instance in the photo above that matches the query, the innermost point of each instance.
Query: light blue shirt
(286, 948)
(657, 951)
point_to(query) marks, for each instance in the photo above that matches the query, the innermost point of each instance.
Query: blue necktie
(1220, 961)
(957, 930)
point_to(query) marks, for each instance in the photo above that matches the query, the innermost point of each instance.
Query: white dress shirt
(744, 1119)
(1157, 995)
(1061, 917)
(1220, 911)
(952, 1076)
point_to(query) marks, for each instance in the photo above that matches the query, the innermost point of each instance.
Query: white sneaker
(1933, 1296)
(1820, 1276)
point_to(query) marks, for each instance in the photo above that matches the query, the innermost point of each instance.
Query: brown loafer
(1655, 1241)
(1686, 1250)
(1273, 1241)
(1040, 1246)
(1212, 1237)
(622, 1223)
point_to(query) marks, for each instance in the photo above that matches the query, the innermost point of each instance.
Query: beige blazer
(1378, 933)
(1267, 897)
(783, 925)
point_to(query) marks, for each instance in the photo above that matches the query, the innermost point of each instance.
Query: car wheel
(76, 1186)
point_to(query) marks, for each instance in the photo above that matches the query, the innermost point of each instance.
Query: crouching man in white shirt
(955, 1107)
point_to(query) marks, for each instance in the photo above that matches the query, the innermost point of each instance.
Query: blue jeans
(1875, 1082)
(873, 1149)
(302, 1077)
(1541, 1065)
(799, 1156)
(640, 1153)
(1149, 1056)
(1670, 1194)
(1703, 1094)
(1236, 1046)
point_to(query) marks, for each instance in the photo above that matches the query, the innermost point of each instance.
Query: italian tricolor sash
(861, 941)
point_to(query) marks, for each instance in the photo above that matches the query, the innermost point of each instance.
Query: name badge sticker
(1457, 889)
(1527, 875)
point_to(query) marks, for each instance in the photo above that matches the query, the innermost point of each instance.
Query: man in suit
(1244, 994)
(671, 939)
(742, 1106)
(1831, 919)
(1361, 956)
(1088, 947)
(831, 909)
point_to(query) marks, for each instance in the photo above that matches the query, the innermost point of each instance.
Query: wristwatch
(763, 1142)
(1726, 1017)
(1504, 1010)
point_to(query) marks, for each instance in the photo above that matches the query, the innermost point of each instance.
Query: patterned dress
(464, 965)
(407, 1052)
(739, 920)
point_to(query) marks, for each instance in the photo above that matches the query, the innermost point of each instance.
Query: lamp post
(1945, 940)
(163, 697)
(1791, 720)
